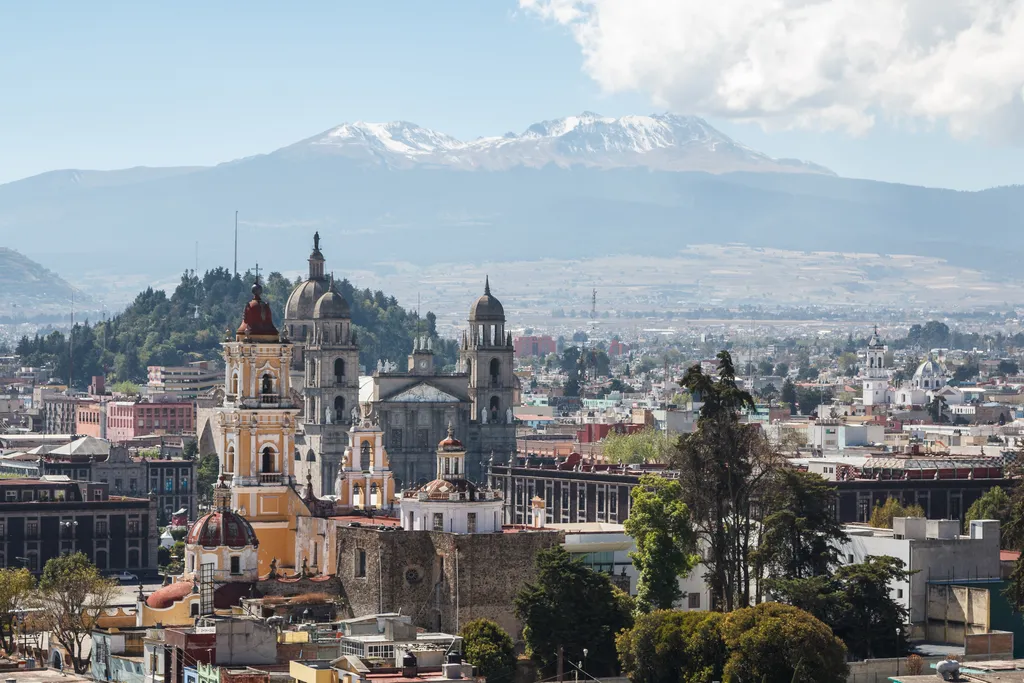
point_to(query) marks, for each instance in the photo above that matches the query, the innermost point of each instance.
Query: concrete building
(44, 518)
(127, 420)
(534, 346)
(830, 434)
(182, 382)
(933, 550)
(57, 410)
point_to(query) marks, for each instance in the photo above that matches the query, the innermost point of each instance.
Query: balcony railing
(272, 399)
(271, 478)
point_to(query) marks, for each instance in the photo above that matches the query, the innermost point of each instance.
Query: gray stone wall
(442, 580)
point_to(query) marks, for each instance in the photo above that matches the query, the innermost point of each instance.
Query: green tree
(882, 514)
(993, 504)
(647, 445)
(126, 387)
(673, 647)
(856, 604)
(190, 449)
(937, 409)
(764, 368)
(800, 536)
(206, 476)
(774, 643)
(723, 464)
(73, 595)
(788, 395)
(782, 369)
(848, 363)
(489, 649)
(15, 590)
(571, 607)
(659, 523)
(1008, 368)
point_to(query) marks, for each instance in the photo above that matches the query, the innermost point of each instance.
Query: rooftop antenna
(593, 303)
(71, 344)
(236, 242)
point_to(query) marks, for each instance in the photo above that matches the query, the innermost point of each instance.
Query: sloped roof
(84, 447)
(422, 393)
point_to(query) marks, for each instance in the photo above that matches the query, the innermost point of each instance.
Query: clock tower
(421, 360)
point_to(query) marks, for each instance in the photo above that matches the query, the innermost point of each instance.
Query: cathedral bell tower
(487, 359)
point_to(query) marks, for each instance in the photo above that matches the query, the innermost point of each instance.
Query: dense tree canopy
(489, 648)
(883, 514)
(669, 646)
(190, 324)
(572, 607)
(646, 445)
(659, 523)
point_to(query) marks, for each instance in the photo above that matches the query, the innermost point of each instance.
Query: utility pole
(236, 242)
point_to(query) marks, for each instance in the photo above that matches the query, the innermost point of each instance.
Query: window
(360, 564)
(133, 527)
(101, 527)
(169, 484)
(133, 484)
(12, 495)
(438, 521)
(693, 600)
(32, 528)
(26, 494)
(899, 593)
(364, 456)
(471, 522)
(381, 651)
(396, 438)
(117, 484)
(236, 564)
(422, 438)
(184, 483)
(3, 529)
(849, 558)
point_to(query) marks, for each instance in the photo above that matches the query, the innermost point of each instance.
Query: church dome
(441, 489)
(303, 299)
(450, 443)
(929, 369)
(487, 307)
(222, 527)
(257, 319)
(331, 305)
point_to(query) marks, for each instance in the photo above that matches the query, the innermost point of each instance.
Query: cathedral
(412, 409)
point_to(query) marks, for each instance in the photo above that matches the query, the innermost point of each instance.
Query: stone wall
(441, 580)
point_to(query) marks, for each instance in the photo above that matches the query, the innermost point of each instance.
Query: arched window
(310, 456)
(298, 456)
(234, 383)
(268, 461)
(339, 370)
(495, 408)
(229, 459)
(495, 372)
(364, 456)
(267, 385)
(339, 408)
(469, 367)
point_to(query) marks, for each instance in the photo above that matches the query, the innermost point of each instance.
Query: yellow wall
(305, 674)
(178, 614)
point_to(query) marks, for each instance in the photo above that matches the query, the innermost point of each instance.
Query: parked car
(126, 577)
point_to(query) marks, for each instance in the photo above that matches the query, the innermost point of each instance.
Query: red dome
(222, 528)
(450, 443)
(165, 596)
(257, 320)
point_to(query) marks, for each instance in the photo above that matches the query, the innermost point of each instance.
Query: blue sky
(118, 84)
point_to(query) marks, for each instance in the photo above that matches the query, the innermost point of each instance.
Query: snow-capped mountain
(660, 141)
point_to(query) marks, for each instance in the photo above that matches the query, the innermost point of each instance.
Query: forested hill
(191, 323)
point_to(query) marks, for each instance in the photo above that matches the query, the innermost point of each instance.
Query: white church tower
(875, 377)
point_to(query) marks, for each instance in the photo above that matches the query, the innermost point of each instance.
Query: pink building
(130, 419)
(534, 346)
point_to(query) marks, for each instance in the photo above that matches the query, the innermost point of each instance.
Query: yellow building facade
(257, 425)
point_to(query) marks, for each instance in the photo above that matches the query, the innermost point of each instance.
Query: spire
(487, 285)
(316, 260)
(451, 430)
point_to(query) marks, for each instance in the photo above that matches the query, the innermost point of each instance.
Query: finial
(316, 241)
(487, 285)
(451, 430)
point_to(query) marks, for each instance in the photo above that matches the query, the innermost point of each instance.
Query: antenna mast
(236, 242)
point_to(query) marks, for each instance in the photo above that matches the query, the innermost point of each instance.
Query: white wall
(418, 515)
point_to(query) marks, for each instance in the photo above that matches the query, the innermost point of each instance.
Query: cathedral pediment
(422, 393)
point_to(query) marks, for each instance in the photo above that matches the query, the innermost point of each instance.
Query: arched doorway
(267, 384)
(56, 660)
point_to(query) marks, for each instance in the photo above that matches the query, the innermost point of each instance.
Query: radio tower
(593, 304)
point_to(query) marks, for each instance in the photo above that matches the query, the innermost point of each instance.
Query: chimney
(537, 509)
(409, 669)
(452, 668)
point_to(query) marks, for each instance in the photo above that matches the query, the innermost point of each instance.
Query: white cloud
(826, 64)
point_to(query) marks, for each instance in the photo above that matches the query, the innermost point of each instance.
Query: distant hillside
(29, 288)
(579, 187)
